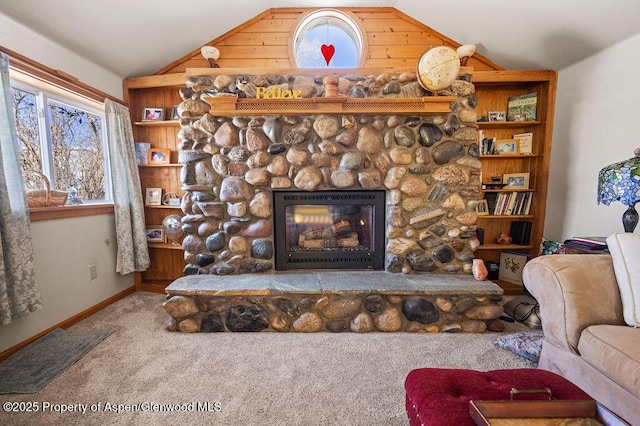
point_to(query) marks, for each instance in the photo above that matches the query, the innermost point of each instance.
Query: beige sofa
(586, 338)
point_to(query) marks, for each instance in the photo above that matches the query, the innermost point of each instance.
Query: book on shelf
(509, 203)
(520, 232)
(487, 146)
(525, 142)
(493, 268)
(519, 202)
(522, 107)
(492, 198)
(499, 204)
(526, 203)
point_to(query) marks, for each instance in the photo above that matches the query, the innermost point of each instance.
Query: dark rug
(34, 366)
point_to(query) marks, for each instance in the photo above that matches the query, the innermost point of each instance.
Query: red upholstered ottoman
(440, 397)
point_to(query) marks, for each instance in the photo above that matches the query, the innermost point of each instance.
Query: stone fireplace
(382, 176)
(382, 133)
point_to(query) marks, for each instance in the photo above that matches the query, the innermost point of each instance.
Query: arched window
(331, 28)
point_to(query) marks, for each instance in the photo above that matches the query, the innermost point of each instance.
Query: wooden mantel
(233, 106)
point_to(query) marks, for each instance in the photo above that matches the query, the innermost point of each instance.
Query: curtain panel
(19, 293)
(133, 253)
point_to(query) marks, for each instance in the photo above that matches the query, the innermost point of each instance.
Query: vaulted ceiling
(139, 37)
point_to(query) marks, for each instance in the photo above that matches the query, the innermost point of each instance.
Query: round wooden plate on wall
(438, 68)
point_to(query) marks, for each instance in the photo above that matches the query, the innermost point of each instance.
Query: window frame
(348, 22)
(44, 91)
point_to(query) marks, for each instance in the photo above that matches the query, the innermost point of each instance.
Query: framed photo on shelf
(518, 180)
(155, 234)
(511, 265)
(153, 114)
(522, 107)
(174, 113)
(158, 156)
(142, 152)
(507, 146)
(153, 197)
(482, 209)
(497, 116)
(525, 142)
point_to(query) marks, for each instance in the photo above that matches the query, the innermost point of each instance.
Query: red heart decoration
(327, 52)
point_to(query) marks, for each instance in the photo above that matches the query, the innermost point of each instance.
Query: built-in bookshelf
(520, 150)
(167, 261)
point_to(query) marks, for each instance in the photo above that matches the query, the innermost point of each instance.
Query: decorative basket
(45, 197)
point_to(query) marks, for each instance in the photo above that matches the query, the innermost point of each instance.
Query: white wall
(595, 125)
(26, 42)
(65, 248)
(63, 251)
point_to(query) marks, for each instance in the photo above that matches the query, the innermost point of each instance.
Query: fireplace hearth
(329, 229)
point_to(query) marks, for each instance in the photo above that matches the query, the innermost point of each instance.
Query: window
(61, 135)
(328, 27)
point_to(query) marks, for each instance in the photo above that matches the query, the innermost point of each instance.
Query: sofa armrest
(574, 292)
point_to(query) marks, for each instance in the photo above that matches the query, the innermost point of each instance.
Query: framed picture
(155, 234)
(142, 152)
(482, 209)
(158, 156)
(153, 114)
(511, 265)
(174, 113)
(507, 146)
(522, 108)
(153, 197)
(525, 142)
(497, 116)
(519, 180)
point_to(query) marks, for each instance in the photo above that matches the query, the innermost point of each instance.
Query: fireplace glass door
(329, 230)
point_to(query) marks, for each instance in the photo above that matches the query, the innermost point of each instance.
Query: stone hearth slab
(310, 301)
(331, 282)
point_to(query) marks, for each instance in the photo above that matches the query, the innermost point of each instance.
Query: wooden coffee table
(542, 413)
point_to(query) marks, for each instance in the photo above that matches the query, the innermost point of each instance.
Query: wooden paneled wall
(394, 40)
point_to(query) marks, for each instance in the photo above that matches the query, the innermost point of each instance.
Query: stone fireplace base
(358, 301)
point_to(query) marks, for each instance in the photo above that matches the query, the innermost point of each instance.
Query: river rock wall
(428, 166)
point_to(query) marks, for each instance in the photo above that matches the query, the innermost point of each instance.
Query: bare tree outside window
(75, 152)
(26, 113)
(78, 159)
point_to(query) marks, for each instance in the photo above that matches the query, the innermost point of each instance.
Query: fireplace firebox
(329, 229)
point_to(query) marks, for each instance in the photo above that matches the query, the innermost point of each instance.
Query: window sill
(50, 213)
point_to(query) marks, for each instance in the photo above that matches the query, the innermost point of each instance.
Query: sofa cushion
(614, 350)
(625, 251)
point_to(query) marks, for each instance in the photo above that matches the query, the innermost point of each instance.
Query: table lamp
(621, 182)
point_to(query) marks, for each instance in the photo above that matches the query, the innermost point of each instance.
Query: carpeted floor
(244, 378)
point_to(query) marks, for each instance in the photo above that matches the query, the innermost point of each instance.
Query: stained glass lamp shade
(621, 182)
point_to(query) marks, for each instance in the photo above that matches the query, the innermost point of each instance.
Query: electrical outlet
(93, 272)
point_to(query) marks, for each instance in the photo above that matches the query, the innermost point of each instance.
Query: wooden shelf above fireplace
(233, 106)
